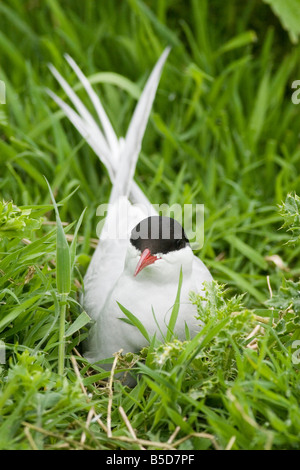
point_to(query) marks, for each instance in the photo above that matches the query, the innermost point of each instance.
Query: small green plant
(286, 301)
(290, 212)
(16, 222)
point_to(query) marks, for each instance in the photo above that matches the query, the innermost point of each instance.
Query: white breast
(150, 297)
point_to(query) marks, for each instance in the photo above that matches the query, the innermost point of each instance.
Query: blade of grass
(63, 281)
(133, 320)
(175, 311)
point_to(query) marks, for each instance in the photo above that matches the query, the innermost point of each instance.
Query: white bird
(139, 272)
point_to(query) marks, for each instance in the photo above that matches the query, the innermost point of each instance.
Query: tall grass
(223, 132)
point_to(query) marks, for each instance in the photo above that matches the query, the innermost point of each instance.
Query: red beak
(145, 259)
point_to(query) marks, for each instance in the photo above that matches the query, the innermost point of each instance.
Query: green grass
(223, 132)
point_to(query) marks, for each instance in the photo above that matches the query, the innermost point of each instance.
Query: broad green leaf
(133, 320)
(82, 320)
(288, 12)
(14, 313)
(74, 241)
(63, 259)
(178, 420)
(260, 107)
(175, 311)
(238, 41)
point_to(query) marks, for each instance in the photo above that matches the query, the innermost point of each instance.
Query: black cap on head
(159, 234)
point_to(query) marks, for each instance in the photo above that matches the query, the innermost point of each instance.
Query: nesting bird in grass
(139, 268)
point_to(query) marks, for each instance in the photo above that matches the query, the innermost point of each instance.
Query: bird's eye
(179, 243)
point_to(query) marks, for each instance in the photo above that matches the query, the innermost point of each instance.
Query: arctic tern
(140, 268)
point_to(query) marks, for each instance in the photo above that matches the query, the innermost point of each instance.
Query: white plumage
(110, 276)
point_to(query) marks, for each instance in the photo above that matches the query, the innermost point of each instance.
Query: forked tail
(118, 155)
